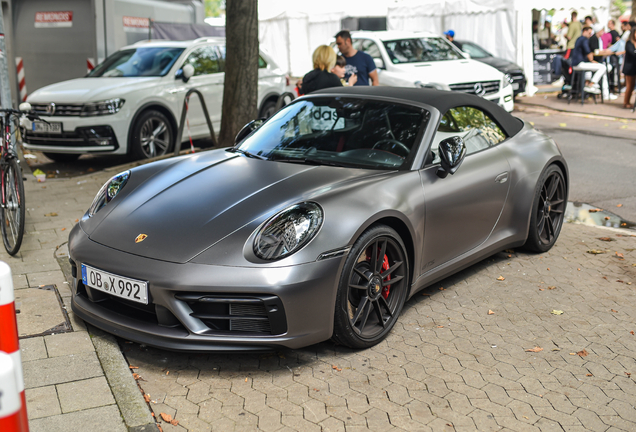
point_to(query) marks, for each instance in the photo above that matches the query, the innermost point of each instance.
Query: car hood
(81, 90)
(449, 72)
(500, 64)
(190, 206)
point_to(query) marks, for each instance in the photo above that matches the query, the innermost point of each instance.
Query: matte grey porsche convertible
(319, 223)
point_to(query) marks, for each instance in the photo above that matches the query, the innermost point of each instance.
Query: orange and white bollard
(10, 345)
(9, 396)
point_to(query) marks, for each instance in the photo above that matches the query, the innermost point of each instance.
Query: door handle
(502, 178)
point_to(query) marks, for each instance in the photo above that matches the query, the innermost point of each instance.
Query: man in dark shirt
(358, 62)
(583, 59)
(611, 25)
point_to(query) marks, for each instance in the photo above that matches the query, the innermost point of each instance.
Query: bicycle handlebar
(31, 115)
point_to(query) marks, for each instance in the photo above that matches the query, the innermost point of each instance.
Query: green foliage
(618, 4)
(213, 8)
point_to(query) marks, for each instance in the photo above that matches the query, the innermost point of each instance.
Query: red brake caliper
(385, 267)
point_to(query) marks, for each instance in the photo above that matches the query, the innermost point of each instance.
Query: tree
(213, 8)
(240, 92)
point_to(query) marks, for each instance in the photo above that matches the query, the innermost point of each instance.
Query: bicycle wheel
(13, 210)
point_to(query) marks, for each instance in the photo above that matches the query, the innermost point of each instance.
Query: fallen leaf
(595, 251)
(167, 372)
(607, 218)
(563, 125)
(551, 287)
(336, 368)
(174, 422)
(578, 269)
(546, 114)
(605, 277)
(541, 289)
(509, 256)
(619, 205)
(76, 220)
(535, 349)
(614, 310)
(160, 429)
(548, 268)
(63, 229)
(316, 390)
(426, 294)
(594, 210)
(588, 375)
(245, 379)
(441, 288)
(631, 332)
(500, 278)
(572, 353)
(147, 398)
(133, 367)
(448, 424)
(557, 312)
(50, 214)
(628, 373)
(620, 255)
(136, 376)
(166, 417)
(582, 353)
(440, 326)
(525, 417)
(605, 238)
(490, 312)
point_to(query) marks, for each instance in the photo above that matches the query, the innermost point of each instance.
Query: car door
(208, 78)
(463, 209)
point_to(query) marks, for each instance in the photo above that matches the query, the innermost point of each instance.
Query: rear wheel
(152, 135)
(373, 288)
(548, 210)
(62, 157)
(13, 207)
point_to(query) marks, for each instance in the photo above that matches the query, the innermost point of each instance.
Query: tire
(367, 305)
(13, 209)
(548, 210)
(152, 135)
(62, 157)
(268, 110)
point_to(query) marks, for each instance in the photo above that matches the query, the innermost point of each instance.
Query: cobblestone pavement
(470, 353)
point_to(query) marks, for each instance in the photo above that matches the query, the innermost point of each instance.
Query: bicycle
(12, 202)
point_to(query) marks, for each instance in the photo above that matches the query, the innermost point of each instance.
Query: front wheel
(548, 210)
(13, 206)
(372, 290)
(152, 135)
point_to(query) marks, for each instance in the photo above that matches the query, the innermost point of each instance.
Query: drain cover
(40, 312)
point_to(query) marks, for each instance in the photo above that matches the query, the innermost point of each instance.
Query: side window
(206, 60)
(473, 125)
(262, 64)
(370, 48)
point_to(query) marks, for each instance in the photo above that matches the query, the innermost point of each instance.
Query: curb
(537, 105)
(132, 406)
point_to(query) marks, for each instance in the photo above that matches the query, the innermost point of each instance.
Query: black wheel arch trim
(269, 96)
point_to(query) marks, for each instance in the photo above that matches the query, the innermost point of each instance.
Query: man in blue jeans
(358, 62)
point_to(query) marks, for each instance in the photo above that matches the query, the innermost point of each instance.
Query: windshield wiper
(311, 161)
(246, 153)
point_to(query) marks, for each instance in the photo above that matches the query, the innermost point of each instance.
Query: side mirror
(379, 63)
(452, 152)
(248, 129)
(25, 107)
(185, 73)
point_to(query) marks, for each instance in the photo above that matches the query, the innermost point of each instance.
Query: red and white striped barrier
(90, 64)
(9, 396)
(19, 65)
(10, 345)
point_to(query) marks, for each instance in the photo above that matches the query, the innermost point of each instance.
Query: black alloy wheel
(373, 288)
(152, 135)
(548, 210)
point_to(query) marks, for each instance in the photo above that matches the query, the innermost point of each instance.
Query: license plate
(515, 86)
(38, 126)
(119, 286)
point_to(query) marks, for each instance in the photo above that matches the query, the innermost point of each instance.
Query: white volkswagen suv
(408, 59)
(131, 103)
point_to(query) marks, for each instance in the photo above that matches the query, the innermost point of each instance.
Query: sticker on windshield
(324, 117)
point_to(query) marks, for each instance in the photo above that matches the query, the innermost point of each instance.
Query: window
(148, 61)
(370, 48)
(474, 126)
(420, 50)
(206, 60)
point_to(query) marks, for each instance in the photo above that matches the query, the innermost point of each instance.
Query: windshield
(475, 51)
(420, 50)
(155, 61)
(345, 132)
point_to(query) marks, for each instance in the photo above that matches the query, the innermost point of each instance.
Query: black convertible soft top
(440, 99)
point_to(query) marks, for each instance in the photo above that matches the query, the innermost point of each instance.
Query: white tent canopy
(503, 27)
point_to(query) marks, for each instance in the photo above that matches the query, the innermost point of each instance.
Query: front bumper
(81, 135)
(173, 319)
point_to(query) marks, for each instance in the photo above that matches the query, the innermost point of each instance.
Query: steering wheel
(394, 143)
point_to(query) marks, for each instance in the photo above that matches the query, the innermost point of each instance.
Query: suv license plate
(119, 286)
(55, 127)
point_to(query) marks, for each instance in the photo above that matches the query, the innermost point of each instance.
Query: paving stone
(81, 395)
(65, 344)
(42, 402)
(102, 419)
(33, 349)
(62, 369)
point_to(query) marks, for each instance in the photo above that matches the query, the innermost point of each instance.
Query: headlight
(109, 191)
(288, 231)
(507, 80)
(111, 106)
(433, 85)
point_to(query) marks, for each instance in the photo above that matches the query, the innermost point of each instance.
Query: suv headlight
(106, 107)
(109, 191)
(288, 231)
(506, 81)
